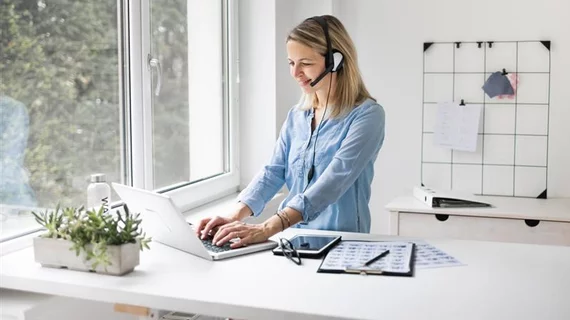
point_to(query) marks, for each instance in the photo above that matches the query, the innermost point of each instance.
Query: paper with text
(457, 127)
(429, 256)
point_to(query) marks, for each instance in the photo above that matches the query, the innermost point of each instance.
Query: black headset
(333, 58)
(333, 62)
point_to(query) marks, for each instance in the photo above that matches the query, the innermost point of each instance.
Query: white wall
(389, 35)
(257, 85)
(267, 91)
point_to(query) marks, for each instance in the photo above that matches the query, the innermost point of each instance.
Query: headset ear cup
(338, 60)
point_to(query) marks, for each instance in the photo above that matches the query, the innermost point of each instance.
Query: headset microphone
(322, 75)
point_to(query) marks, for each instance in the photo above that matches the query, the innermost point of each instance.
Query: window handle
(155, 63)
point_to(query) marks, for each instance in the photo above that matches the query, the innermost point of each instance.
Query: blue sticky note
(498, 84)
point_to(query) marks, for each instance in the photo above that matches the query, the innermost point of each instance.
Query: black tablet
(311, 246)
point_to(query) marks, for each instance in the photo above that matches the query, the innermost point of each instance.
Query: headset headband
(329, 54)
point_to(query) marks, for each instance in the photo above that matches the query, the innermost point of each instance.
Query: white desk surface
(499, 281)
(503, 207)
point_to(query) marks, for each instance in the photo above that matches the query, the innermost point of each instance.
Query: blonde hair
(350, 90)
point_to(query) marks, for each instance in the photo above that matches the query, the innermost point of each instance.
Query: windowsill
(18, 243)
(17, 221)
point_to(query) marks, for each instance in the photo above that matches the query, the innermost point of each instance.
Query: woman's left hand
(246, 233)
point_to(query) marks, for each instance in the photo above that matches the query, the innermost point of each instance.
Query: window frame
(135, 115)
(138, 131)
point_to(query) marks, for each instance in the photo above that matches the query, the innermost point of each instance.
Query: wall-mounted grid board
(512, 146)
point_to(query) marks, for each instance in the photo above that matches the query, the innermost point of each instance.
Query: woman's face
(305, 65)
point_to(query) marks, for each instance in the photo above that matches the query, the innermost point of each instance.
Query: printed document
(456, 126)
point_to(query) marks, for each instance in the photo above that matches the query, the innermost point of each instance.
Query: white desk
(500, 281)
(524, 220)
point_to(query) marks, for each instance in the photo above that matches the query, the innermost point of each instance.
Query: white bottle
(98, 193)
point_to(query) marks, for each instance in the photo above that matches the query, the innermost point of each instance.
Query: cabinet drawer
(483, 228)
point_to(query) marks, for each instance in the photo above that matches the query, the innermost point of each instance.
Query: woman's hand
(245, 233)
(209, 226)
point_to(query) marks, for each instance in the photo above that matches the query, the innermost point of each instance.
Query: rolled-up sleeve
(363, 141)
(270, 179)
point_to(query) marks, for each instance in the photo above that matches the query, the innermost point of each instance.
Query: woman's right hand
(208, 226)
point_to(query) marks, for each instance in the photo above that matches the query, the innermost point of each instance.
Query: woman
(326, 149)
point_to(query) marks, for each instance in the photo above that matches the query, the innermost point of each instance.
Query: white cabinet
(537, 221)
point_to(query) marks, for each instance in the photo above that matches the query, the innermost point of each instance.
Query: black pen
(376, 258)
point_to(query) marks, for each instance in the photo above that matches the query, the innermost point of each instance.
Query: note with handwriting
(457, 126)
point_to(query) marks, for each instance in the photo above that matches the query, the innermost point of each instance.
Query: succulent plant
(92, 231)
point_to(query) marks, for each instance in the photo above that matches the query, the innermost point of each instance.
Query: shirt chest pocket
(301, 153)
(327, 146)
(296, 158)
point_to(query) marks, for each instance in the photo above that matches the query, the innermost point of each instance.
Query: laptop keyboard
(214, 248)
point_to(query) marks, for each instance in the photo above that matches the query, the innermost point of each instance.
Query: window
(133, 89)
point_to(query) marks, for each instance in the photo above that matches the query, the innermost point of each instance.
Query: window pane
(188, 111)
(169, 46)
(59, 103)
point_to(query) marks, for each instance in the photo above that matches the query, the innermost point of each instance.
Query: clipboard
(350, 256)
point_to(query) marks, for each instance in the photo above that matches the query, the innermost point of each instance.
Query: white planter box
(56, 253)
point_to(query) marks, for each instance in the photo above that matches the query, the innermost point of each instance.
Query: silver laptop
(163, 221)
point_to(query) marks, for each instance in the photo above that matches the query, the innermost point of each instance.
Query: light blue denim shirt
(338, 195)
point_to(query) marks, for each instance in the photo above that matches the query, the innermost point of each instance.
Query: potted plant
(90, 240)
